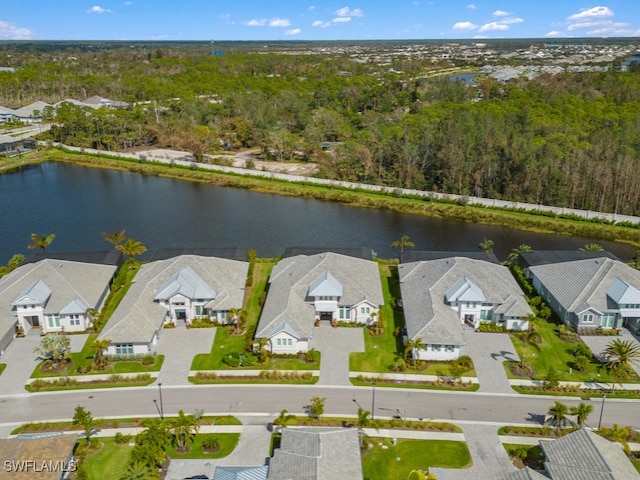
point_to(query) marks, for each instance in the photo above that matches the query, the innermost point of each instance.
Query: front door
(326, 316)
(34, 321)
(181, 314)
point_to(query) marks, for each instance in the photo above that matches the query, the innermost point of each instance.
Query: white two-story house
(305, 290)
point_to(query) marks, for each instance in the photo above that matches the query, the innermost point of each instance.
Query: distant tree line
(567, 140)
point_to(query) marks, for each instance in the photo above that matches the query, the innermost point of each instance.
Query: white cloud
(312, 7)
(493, 26)
(317, 23)
(595, 12)
(511, 20)
(341, 19)
(128, 3)
(279, 22)
(347, 12)
(294, 31)
(12, 31)
(98, 9)
(464, 26)
(500, 13)
(554, 33)
(256, 22)
(471, 6)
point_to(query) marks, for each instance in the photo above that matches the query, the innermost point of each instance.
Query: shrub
(239, 359)
(120, 438)
(201, 323)
(581, 350)
(210, 444)
(465, 361)
(206, 376)
(148, 360)
(581, 363)
(491, 327)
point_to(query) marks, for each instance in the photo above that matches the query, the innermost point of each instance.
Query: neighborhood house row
(438, 297)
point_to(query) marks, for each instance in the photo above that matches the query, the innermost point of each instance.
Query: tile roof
(317, 454)
(411, 256)
(425, 285)
(241, 473)
(585, 455)
(49, 449)
(584, 284)
(138, 317)
(525, 473)
(289, 286)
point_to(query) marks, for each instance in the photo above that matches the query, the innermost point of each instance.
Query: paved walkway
(597, 343)
(21, 360)
(179, 345)
(490, 459)
(488, 351)
(335, 344)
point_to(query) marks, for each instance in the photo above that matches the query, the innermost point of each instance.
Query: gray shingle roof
(138, 317)
(289, 285)
(525, 473)
(584, 284)
(424, 286)
(69, 283)
(585, 455)
(317, 454)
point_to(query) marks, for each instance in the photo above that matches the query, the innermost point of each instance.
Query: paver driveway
(335, 344)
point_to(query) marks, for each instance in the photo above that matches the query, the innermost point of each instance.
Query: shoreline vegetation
(538, 222)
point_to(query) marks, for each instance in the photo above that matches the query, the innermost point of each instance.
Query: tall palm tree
(622, 353)
(411, 345)
(138, 471)
(15, 261)
(99, 359)
(185, 428)
(402, 243)
(515, 253)
(41, 241)
(116, 237)
(557, 416)
(132, 248)
(581, 412)
(528, 338)
(486, 246)
(364, 421)
(283, 419)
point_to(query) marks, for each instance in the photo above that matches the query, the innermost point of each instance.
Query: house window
(325, 297)
(289, 341)
(198, 309)
(53, 320)
(365, 310)
(435, 348)
(449, 348)
(124, 349)
(587, 318)
(223, 316)
(279, 341)
(74, 320)
(344, 313)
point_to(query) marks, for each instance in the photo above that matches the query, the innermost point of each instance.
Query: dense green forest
(571, 139)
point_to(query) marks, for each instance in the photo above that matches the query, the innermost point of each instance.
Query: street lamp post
(161, 404)
(373, 402)
(604, 397)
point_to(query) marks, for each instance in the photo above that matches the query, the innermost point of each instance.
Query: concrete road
(268, 400)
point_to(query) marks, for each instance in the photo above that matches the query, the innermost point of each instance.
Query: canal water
(78, 204)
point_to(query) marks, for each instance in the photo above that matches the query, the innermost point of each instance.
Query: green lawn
(228, 441)
(108, 462)
(2, 367)
(396, 462)
(554, 354)
(380, 351)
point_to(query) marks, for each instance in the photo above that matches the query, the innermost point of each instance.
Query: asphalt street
(269, 400)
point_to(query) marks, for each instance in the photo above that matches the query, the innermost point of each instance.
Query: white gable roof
(185, 282)
(464, 290)
(325, 285)
(76, 306)
(36, 293)
(622, 293)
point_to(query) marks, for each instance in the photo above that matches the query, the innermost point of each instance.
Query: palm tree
(529, 337)
(185, 428)
(132, 248)
(283, 419)
(402, 243)
(622, 353)
(486, 246)
(620, 435)
(581, 412)
(411, 345)
(15, 261)
(591, 247)
(41, 241)
(116, 237)
(138, 471)
(557, 416)
(364, 421)
(99, 359)
(515, 253)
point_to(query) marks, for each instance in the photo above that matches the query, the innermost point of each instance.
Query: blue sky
(314, 19)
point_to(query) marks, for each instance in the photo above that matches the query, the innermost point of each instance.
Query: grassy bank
(536, 222)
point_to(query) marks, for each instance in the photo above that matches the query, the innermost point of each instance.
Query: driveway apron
(179, 345)
(335, 344)
(488, 351)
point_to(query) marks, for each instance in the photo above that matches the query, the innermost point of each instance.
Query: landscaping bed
(266, 376)
(71, 383)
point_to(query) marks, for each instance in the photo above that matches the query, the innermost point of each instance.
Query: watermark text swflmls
(37, 466)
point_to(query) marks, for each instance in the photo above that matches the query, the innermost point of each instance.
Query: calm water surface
(78, 204)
